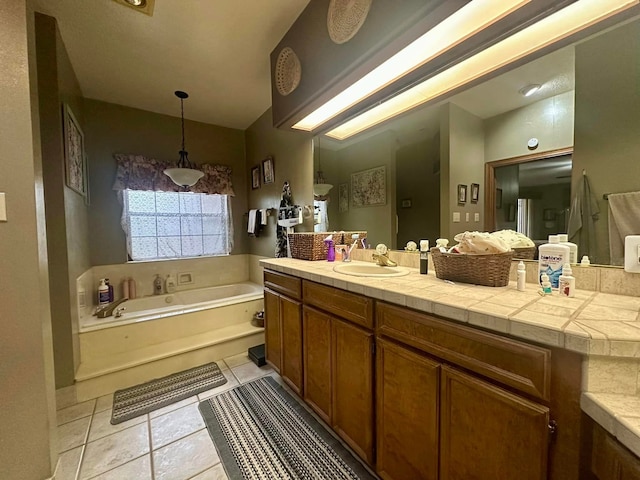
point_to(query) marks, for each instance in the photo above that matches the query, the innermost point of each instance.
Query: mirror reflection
(586, 113)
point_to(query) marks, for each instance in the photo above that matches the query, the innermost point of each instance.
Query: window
(162, 225)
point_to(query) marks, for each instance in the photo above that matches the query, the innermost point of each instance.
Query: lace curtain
(136, 172)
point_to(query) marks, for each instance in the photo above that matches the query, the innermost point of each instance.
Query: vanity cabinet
(283, 327)
(610, 460)
(338, 363)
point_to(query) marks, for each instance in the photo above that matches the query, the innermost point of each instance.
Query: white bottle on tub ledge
(170, 284)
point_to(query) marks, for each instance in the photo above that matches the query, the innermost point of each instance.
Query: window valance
(136, 172)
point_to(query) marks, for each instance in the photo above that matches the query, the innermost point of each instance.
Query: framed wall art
(475, 192)
(369, 187)
(268, 173)
(255, 177)
(74, 157)
(462, 194)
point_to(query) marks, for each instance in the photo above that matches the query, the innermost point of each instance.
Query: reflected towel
(263, 216)
(584, 212)
(251, 225)
(624, 219)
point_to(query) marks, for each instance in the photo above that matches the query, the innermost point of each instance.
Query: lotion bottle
(424, 257)
(132, 288)
(567, 284)
(103, 293)
(521, 276)
(125, 288)
(563, 238)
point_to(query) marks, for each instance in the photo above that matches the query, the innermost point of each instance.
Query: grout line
(151, 462)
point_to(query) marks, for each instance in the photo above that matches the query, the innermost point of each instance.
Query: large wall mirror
(423, 175)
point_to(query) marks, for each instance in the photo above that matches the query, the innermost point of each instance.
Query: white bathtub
(179, 303)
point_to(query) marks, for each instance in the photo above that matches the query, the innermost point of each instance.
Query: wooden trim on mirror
(490, 180)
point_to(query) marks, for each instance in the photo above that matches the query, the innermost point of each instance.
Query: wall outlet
(456, 217)
(632, 253)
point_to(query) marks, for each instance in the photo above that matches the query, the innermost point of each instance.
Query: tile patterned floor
(171, 443)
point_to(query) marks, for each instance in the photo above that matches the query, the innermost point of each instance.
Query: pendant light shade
(184, 174)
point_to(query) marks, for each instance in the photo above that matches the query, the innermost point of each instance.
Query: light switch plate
(632, 253)
(466, 217)
(3, 208)
(476, 217)
(456, 217)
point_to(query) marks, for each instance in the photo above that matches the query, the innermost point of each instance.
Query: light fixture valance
(137, 172)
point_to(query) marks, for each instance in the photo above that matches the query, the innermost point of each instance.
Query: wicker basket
(491, 270)
(524, 253)
(308, 245)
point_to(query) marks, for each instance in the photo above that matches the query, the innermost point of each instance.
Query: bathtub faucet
(107, 310)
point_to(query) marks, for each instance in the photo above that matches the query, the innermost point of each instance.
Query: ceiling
(216, 51)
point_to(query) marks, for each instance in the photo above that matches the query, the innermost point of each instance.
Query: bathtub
(179, 303)
(164, 334)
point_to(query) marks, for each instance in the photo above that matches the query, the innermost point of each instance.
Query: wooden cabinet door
(272, 329)
(316, 328)
(352, 370)
(407, 396)
(489, 433)
(291, 318)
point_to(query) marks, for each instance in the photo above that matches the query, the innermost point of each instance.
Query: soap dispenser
(157, 285)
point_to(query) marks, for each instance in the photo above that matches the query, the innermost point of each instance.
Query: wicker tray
(524, 253)
(308, 245)
(348, 240)
(491, 270)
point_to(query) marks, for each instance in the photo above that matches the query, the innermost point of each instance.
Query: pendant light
(184, 174)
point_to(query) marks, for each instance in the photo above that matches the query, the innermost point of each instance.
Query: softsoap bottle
(424, 257)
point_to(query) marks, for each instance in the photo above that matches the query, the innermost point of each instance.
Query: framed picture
(498, 198)
(369, 187)
(462, 194)
(475, 192)
(255, 177)
(268, 173)
(343, 197)
(74, 158)
(406, 203)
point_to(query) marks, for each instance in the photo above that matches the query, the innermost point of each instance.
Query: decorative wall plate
(287, 72)
(345, 17)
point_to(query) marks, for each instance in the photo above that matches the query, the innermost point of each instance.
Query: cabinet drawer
(350, 306)
(515, 364)
(284, 284)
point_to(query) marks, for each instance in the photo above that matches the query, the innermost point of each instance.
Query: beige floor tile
(232, 381)
(101, 425)
(69, 463)
(237, 360)
(185, 458)
(114, 450)
(104, 403)
(215, 473)
(250, 371)
(138, 469)
(80, 410)
(175, 425)
(73, 434)
(173, 406)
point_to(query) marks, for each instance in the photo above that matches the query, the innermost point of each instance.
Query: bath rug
(135, 401)
(261, 432)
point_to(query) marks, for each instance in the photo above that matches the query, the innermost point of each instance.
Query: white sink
(369, 270)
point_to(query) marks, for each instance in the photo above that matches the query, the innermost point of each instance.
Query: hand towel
(584, 212)
(624, 219)
(263, 216)
(251, 225)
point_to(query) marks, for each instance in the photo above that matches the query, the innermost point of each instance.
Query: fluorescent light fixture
(571, 19)
(530, 89)
(464, 23)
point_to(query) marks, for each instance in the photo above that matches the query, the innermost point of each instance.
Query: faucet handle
(118, 312)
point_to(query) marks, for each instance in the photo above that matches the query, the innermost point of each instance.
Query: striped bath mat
(261, 432)
(135, 401)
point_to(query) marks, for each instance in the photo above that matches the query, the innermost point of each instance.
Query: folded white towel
(251, 226)
(624, 219)
(263, 216)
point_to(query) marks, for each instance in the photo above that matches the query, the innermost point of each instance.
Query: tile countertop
(602, 326)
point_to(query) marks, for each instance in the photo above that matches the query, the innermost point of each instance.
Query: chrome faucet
(108, 310)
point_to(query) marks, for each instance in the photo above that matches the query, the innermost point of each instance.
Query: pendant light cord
(182, 116)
